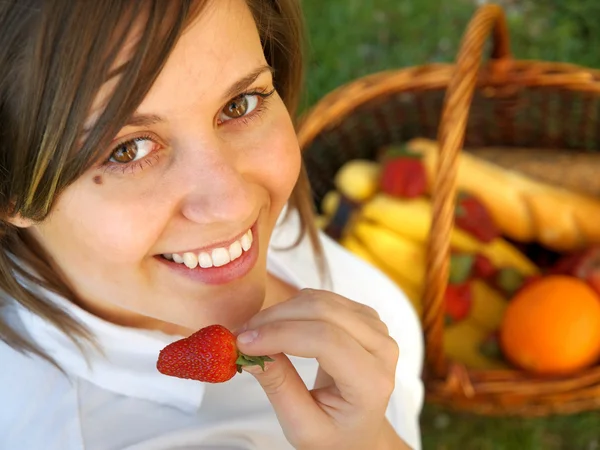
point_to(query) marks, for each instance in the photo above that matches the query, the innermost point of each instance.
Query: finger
(369, 331)
(337, 352)
(344, 301)
(287, 393)
(323, 379)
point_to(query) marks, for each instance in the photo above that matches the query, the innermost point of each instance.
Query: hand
(357, 363)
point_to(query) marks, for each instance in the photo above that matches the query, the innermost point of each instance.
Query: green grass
(352, 38)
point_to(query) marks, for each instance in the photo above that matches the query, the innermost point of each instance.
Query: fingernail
(247, 336)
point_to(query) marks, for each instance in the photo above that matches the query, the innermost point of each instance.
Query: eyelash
(154, 156)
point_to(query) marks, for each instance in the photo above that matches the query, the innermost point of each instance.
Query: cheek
(89, 228)
(278, 160)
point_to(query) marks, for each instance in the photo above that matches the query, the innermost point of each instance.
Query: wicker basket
(502, 103)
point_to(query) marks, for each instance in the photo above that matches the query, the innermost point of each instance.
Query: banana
(397, 253)
(358, 179)
(413, 292)
(412, 219)
(488, 306)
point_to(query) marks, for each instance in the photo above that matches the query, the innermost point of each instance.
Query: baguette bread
(573, 170)
(525, 209)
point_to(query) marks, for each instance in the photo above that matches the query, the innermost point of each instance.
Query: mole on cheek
(98, 179)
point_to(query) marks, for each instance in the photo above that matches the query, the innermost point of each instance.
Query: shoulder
(39, 403)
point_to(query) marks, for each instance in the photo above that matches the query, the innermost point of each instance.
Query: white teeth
(246, 241)
(217, 258)
(220, 257)
(190, 260)
(235, 250)
(205, 260)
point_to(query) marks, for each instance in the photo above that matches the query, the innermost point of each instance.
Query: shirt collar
(126, 363)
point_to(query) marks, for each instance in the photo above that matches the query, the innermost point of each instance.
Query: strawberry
(403, 174)
(483, 268)
(209, 355)
(473, 217)
(458, 299)
(587, 267)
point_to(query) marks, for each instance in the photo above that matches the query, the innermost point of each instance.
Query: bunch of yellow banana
(391, 234)
(411, 219)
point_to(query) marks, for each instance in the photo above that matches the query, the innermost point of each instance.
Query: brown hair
(55, 55)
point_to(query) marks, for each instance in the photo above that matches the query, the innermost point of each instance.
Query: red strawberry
(209, 355)
(587, 267)
(472, 216)
(404, 176)
(458, 299)
(483, 267)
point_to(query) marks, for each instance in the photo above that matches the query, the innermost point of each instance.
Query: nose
(216, 188)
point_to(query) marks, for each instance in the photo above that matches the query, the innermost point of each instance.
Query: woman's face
(209, 157)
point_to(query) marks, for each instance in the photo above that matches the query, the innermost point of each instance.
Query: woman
(152, 185)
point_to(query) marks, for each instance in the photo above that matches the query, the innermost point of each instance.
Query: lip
(220, 275)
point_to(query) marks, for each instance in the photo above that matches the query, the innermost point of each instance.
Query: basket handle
(451, 134)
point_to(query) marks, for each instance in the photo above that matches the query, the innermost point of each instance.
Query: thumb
(285, 390)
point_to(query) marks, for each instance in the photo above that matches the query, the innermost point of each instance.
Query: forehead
(218, 48)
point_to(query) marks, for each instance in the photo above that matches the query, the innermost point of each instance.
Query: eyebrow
(147, 120)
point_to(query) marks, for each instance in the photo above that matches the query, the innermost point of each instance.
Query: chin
(230, 306)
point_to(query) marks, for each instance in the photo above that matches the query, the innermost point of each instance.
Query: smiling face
(200, 174)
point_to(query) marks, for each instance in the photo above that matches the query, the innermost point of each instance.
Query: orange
(552, 326)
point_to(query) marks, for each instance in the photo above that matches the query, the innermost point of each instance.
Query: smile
(216, 257)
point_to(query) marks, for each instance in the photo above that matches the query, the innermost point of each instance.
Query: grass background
(352, 38)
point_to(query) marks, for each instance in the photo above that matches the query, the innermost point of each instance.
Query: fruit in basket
(482, 267)
(524, 209)
(508, 280)
(472, 216)
(397, 253)
(412, 291)
(552, 326)
(330, 203)
(458, 299)
(403, 174)
(488, 306)
(412, 218)
(468, 343)
(461, 267)
(584, 265)
(358, 179)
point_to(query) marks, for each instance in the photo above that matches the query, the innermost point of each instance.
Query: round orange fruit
(552, 327)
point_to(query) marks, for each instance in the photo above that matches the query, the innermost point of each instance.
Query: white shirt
(121, 401)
